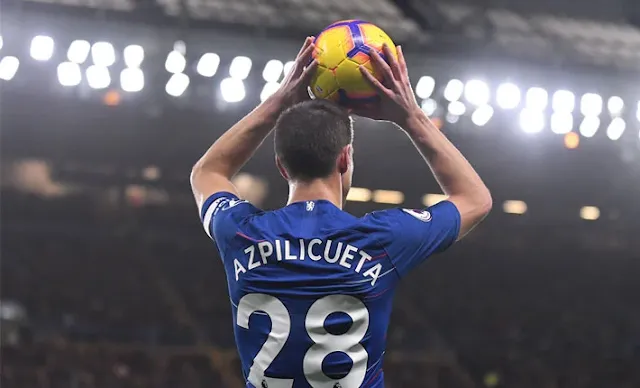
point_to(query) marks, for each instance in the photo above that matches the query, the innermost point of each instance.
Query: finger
(381, 67)
(392, 62)
(402, 62)
(373, 81)
(303, 59)
(308, 72)
(306, 44)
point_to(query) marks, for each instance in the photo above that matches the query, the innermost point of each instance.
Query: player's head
(313, 140)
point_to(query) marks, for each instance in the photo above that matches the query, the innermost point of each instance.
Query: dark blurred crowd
(121, 296)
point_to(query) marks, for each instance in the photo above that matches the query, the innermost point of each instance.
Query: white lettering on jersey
(334, 252)
(301, 249)
(251, 251)
(287, 250)
(238, 268)
(336, 255)
(278, 250)
(422, 215)
(347, 256)
(266, 249)
(373, 273)
(310, 206)
(312, 255)
(363, 257)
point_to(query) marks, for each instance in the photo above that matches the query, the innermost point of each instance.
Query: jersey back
(311, 286)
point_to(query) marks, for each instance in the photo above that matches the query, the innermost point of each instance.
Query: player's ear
(344, 159)
(282, 170)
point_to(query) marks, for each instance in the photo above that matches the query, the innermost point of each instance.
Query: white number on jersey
(324, 342)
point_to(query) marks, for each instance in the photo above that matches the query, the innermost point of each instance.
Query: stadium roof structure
(607, 40)
(600, 33)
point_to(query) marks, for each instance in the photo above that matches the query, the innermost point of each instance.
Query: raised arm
(213, 172)
(456, 176)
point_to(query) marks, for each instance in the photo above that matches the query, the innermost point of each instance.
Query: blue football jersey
(312, 286)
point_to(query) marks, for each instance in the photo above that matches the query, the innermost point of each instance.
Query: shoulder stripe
(206, 222)
(209, 213)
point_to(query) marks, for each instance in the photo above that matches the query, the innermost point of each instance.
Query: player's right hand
(293, 88)
(397, 101)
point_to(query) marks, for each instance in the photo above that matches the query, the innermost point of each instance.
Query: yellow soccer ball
(340, 49)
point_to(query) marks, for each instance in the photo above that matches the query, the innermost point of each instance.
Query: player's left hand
(293, 88)
(397, 100)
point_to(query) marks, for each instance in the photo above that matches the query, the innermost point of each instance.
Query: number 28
(324, 342)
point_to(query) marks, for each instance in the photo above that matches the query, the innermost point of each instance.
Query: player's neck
(320, 189)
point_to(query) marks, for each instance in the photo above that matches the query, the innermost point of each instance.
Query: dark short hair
(309, 137)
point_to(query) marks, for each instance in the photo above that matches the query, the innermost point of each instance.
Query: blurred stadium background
(108, 280)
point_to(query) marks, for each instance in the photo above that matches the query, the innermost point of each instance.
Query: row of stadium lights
(536, 101)
(103, 56)
(232, 88)
(393, 197)
(476, 92)
(386, 197)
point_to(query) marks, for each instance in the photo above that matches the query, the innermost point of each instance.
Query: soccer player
(312, 286)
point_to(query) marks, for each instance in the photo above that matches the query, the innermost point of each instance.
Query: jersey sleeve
(222, 213)
(410, 236)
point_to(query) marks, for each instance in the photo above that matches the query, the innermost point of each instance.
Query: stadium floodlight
(615, 105)
(359, 194)
(429, 106)
(589, 126)
(98, 77)
(453, 90)
(78, 51)
(537, 99)
(432, 199)
(457, 108)
(425, 87)
(272, 70)
(451, 118)
(591, 104)
(232, 90)
(477, 92)
(531, 120)
(132, 80)
(175, 63)
(240, 67)
(69, 74)
(268, 90)
(180, 46)
(287, 67)
(41, 48)
(482, 115)
(133, 55)
(8, 68)
(563, 101)
(208, 65)
(508, 96)
(103, 54)
(514, 207)
(177, 84)
(616, 128)
(589, 213)
(390, 197)
(561, 122)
